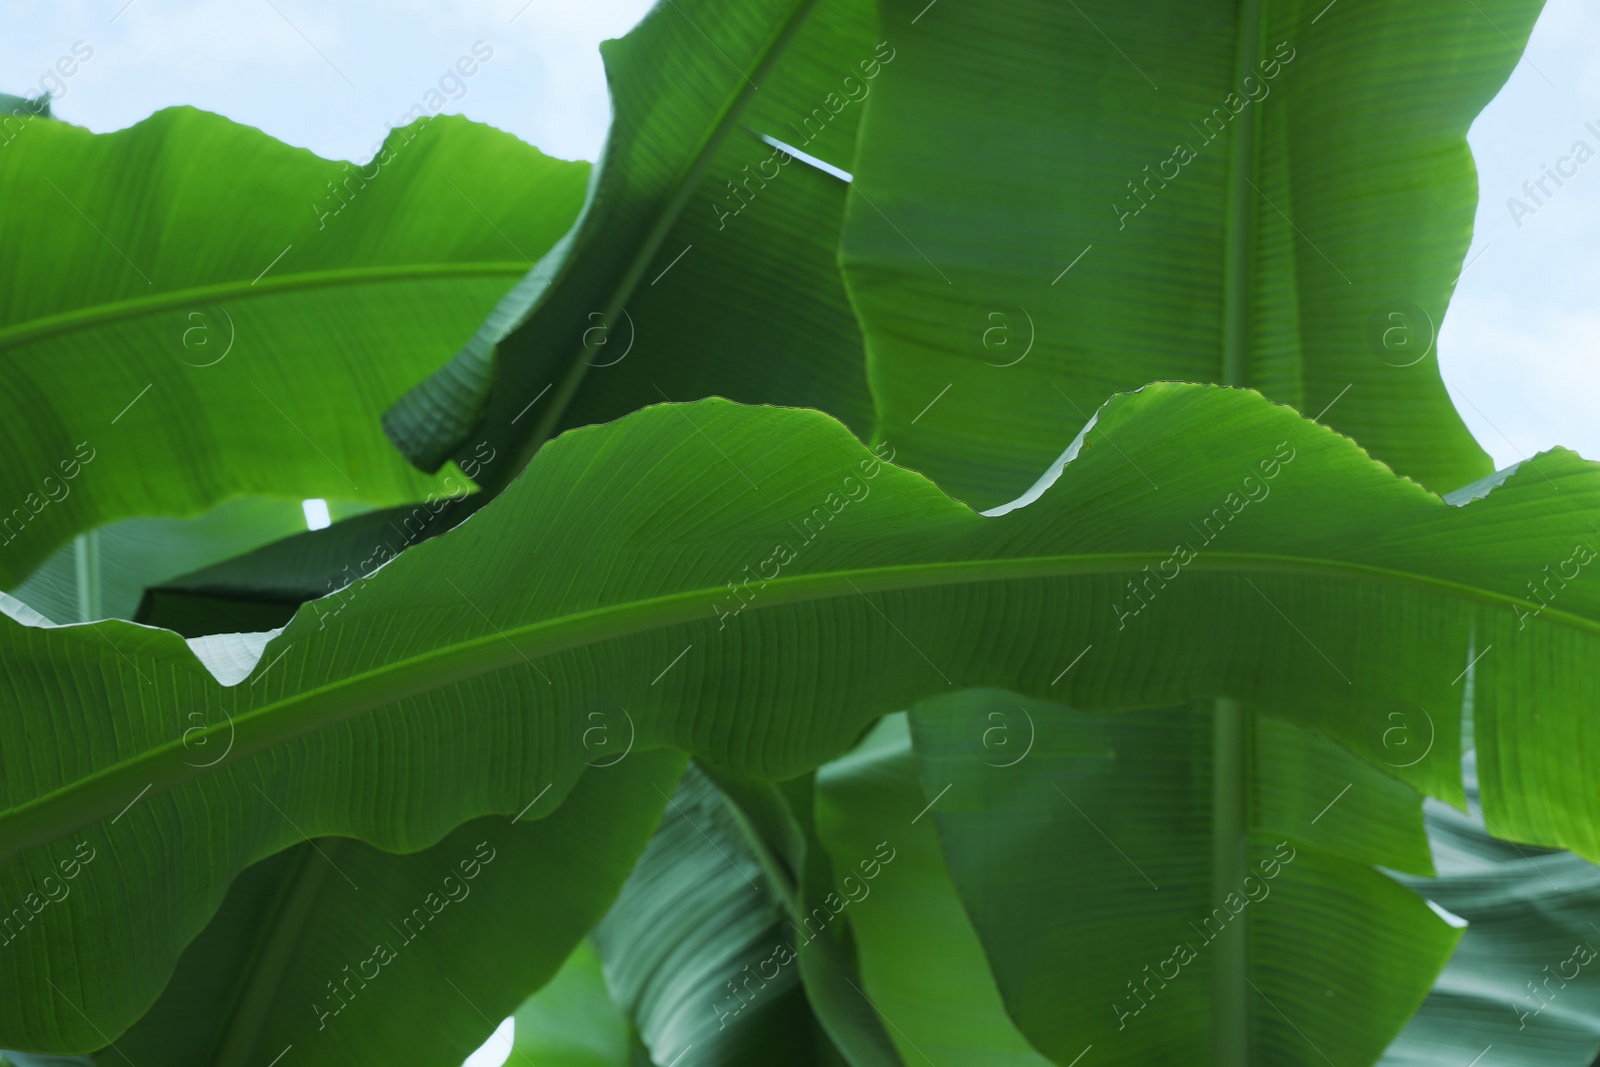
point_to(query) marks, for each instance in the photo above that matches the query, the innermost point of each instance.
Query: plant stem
(1238, 254)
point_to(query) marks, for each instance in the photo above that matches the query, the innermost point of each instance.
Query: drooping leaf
(755, 310)
(705, 260)
(602, 583)
(779, 822)
(351, 955)
(195, 311)
(1055, 202)
(1096, 845)
(921, 962)
(695, 949)
(1516, 991)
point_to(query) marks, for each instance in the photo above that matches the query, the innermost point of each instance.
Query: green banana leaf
(1302, 945)
(705, 259)
(351, 955)
(1054, 202)
(604, 580)
(921, 962)
(695, 949)
(1515, 991)
(572, 1021)
(178, 285)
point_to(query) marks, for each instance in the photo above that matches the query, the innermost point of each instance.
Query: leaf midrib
(281, 934)
(1231, 747)
(89, 799)
(138, 307)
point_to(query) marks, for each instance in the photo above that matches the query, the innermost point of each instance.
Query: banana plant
(799, 205)
(696, 951)
(1313, 951)
(697, 167)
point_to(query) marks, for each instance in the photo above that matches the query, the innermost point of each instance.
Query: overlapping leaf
(1055, 202)
(704, 262)
(351, 955)
(260, 590)
(921, 962)
(1517, 992)
(104, 574)
(695, 948)
(572, 1021)
(779, 823)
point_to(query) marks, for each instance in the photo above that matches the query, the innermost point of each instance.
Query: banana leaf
(572, 1021)
(695, 949)
(921, 962)
(704, 263)
(1312, 952)
(198, 312)
(347, 954)
(660, 567)
(1055, 202)
(103, 574)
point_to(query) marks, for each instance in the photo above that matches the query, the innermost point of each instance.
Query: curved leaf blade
(602, 578)
(695, 942)
(1516, 983)
(660, 291)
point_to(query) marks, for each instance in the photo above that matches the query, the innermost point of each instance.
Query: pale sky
(331, 76)
(1520, 341)
(1516, 346)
